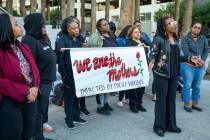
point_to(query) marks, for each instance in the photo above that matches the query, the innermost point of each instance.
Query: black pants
(17, 120)
(71, 105)
(165, 105)
(98, 99)
(154, 84)
(82, 102)
(43, 103)
(46, 114)
(135, 97)
(122, 94)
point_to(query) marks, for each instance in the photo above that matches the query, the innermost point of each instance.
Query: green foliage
(200, 13)
(55, 17)
(15, 13)
(164, 11)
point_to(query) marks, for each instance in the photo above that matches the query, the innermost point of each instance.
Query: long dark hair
(195, 22)
(6, 32)
(124, 31)
(161, 27)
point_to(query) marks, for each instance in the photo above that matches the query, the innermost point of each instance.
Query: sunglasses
(138, 25)
(172, 23)
(197, 27)
(18, 24)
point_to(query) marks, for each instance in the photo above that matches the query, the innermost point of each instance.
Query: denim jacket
(195, 48)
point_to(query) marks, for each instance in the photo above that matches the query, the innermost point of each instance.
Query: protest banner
(104, 70)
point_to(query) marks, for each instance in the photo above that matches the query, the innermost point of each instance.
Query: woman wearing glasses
(166, 59)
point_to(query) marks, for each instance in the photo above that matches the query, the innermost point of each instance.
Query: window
(163, 1)
(145, 16)
(145, 2)
(113, 5)
(115, 18)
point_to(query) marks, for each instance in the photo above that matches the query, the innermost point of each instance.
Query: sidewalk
(124, 125)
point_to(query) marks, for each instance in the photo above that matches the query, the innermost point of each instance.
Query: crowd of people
(28, 70)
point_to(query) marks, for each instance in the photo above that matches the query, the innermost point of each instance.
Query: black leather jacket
(160, 55)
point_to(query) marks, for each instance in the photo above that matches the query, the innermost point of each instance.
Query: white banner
(104, 70)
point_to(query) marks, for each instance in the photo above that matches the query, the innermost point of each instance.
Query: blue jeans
(104, 97)
(192, 78)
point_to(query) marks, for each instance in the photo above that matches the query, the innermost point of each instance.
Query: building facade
(147, 11)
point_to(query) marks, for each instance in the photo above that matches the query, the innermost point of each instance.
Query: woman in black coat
(165, 57)
(136, 95)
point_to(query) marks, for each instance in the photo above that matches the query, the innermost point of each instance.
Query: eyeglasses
(18, 24)
(138, 25)
(197, 27)
(172, 23)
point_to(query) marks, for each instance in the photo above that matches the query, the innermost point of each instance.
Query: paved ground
(124, 125)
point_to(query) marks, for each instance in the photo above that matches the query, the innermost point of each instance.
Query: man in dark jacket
(36, 38)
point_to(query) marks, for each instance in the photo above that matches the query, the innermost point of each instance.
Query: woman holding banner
(136, 95)
(121, 40)
(166, 60)
(103, 38)
(70, 39)
(58, 51)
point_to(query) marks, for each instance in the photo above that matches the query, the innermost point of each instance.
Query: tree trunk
(9, 4)
(70, 8)
(107, 9)
(93, 16)
(126, 14)
(137, 13)
(177, 6)
(33, 4)
(22, 8)
(187, 18)
(0, 2)
(48, 11)
(63, 9)
(43, 6)
(82, 12)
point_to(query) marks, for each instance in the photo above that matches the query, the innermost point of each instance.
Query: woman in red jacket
(19, 82)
